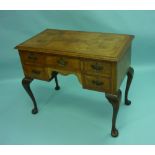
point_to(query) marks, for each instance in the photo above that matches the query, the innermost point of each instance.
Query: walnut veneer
(100, 61)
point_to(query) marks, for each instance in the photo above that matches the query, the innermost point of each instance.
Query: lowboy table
(99, 60)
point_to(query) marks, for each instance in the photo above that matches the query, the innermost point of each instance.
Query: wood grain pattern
(36, 72)
(90, 56)
(63, 63)
(32, 58)
(102, 46)
(122, 67)
(102, 68)
(97, 83)
(100, 61)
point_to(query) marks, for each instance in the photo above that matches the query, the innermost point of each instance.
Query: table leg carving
(26, 84)
(130, 74)
(115, 102)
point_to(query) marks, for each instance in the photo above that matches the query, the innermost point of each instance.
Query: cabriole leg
(130, 74)
(115, 102)
(26, 84)
(54, 75)
(57, 87)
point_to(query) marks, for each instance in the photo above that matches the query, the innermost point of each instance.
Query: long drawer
(63, 62)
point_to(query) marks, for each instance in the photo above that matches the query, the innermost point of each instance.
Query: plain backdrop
(74, 115)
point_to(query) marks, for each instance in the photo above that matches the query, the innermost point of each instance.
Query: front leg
(26, 84)
(54, 75)
(115, 102)
(57, 87)
(130, 74)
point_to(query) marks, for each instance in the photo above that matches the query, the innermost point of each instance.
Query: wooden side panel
(114, 78)
(122, 67)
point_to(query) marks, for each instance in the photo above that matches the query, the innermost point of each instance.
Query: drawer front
(97, 83)
(36, 72)
(97, 67)
(32, 58)
(64, 63)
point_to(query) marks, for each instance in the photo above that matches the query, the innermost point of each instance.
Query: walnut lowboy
(100, 61)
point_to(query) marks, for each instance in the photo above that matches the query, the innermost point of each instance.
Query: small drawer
(97, 83)
(97, 67)
(36, 72)
(62, 62)
(32, 58)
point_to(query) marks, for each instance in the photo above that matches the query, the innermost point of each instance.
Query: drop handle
(97, 67)
(32, 57)
(97, 82)
(62, 62)
(35, 72)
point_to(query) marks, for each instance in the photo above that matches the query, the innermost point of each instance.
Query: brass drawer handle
(97, 67)
(36, 72)
(62, 62)
(32, 57)
(97, 83)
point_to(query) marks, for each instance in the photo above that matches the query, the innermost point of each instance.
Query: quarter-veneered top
(96, 45)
